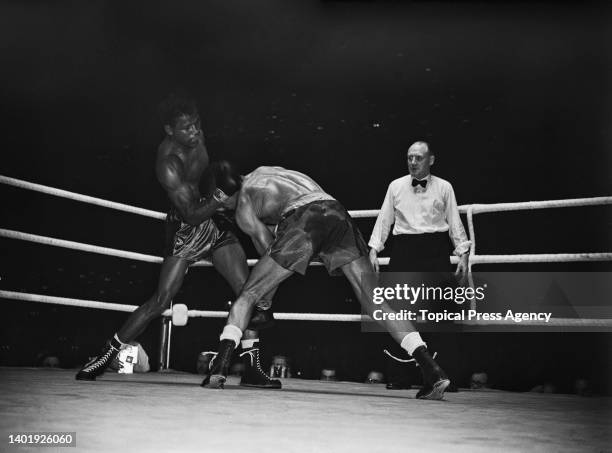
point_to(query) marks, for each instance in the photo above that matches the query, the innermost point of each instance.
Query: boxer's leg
(364, 289)
(170, 280)
(230, 262)
(402, 331)
(264, 277)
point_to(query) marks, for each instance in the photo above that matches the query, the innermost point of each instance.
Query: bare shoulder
(253, 188)
(244, 207)
(169, 167)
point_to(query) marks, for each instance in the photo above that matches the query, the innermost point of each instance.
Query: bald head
(420, 146)
(420, 159)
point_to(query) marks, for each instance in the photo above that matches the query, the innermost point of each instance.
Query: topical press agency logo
(496, 301)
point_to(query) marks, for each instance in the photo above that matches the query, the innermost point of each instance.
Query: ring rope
(12, 234)
(530, 205)
(475, 259)
(28, 297)
(79, 197)
(540, 258)
(107, 251)
(119, 206)
(476, 208)
(554, 322)
(67, 301)
(470, 210)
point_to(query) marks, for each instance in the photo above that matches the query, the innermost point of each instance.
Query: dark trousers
(427, 253)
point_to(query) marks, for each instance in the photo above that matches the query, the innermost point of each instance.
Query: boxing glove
(227, 180)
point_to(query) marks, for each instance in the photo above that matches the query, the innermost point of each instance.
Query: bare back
(274, 190)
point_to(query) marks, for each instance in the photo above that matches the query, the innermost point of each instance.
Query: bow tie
(422, 183)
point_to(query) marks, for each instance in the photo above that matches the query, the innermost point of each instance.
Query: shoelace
(100, 360)
(407, 360)
(214, 356)
(251, 353)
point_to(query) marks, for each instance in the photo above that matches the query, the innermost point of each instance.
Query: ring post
(472, 231)
(164, 342)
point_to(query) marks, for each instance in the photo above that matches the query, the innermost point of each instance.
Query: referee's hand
(374, 259)
(462, 269)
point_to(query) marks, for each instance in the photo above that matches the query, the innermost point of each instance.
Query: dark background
(513, 96)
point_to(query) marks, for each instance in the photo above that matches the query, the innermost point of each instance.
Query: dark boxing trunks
(197, 242)
(321, 229)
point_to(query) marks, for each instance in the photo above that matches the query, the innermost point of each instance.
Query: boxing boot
(254, 375)
(96, 366)
(400, 372)
(435, 380)
(219, 365)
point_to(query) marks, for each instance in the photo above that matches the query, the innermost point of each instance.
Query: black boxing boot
(219, 366)
(96, 366)
(435, 380)
(254, 375)
(399, 371)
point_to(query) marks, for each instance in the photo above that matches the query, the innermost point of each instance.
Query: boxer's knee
(250, 297)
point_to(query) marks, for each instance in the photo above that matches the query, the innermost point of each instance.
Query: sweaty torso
(274, 190)
(191, 164)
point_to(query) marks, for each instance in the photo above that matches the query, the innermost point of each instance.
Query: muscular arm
(249, 222)
(183, 196)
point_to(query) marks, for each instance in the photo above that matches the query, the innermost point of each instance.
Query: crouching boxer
(192, 235)
(310, 224)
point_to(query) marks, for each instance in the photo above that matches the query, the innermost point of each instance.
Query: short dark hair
(173, 107)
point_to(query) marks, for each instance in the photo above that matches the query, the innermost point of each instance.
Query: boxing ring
(125, 411)
(170, 412)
